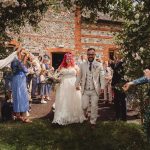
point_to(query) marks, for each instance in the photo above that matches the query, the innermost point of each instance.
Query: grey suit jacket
(98, 76)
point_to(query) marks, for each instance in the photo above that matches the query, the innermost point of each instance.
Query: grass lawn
(42, 135)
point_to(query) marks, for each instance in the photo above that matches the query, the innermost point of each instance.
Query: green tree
(16, 13)
(134, 41)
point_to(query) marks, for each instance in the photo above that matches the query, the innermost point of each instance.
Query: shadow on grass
(42, 135)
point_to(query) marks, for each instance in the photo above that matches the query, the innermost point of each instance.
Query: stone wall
(99, 36)
(64, 32)
(54, 31)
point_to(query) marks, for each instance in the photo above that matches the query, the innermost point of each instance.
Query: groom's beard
(90, 59)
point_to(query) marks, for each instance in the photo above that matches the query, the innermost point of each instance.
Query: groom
(91, 79)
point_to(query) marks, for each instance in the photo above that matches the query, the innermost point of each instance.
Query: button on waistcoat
(89, 79)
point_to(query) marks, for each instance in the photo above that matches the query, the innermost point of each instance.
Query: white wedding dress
(68, 106)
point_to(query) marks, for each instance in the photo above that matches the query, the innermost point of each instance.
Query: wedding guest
(50, 73)
(29, 77)
(108, 78)
(119, 94)
(35, 80)
(29, 80)
(19, 87)
(40, 58)
(49, 69)
(77, 61)
(91, 79)
(81, 60)
(68, 102)
(98, 59)
(44, 93)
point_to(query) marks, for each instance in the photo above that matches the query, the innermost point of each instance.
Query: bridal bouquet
(57, 79)
(54, 79)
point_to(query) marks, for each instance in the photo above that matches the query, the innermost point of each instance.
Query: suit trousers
(90, 96)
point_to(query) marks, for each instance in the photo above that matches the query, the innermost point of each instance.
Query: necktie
(90, 66)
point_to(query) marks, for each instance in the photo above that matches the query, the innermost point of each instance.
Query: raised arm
(138, 81)
(141, 80)
(8, 60)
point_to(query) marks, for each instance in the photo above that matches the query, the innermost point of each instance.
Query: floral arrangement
(54, 79)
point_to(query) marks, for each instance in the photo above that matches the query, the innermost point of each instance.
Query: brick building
(64, 32)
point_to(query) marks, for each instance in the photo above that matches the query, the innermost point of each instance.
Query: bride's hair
(64, 64)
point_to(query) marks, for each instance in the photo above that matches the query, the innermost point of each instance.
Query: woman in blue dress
(19, 87)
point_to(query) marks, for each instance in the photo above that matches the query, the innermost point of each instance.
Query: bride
(68, 100)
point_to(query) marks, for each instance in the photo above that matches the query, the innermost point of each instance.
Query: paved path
(106, 111)
(39, 110)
